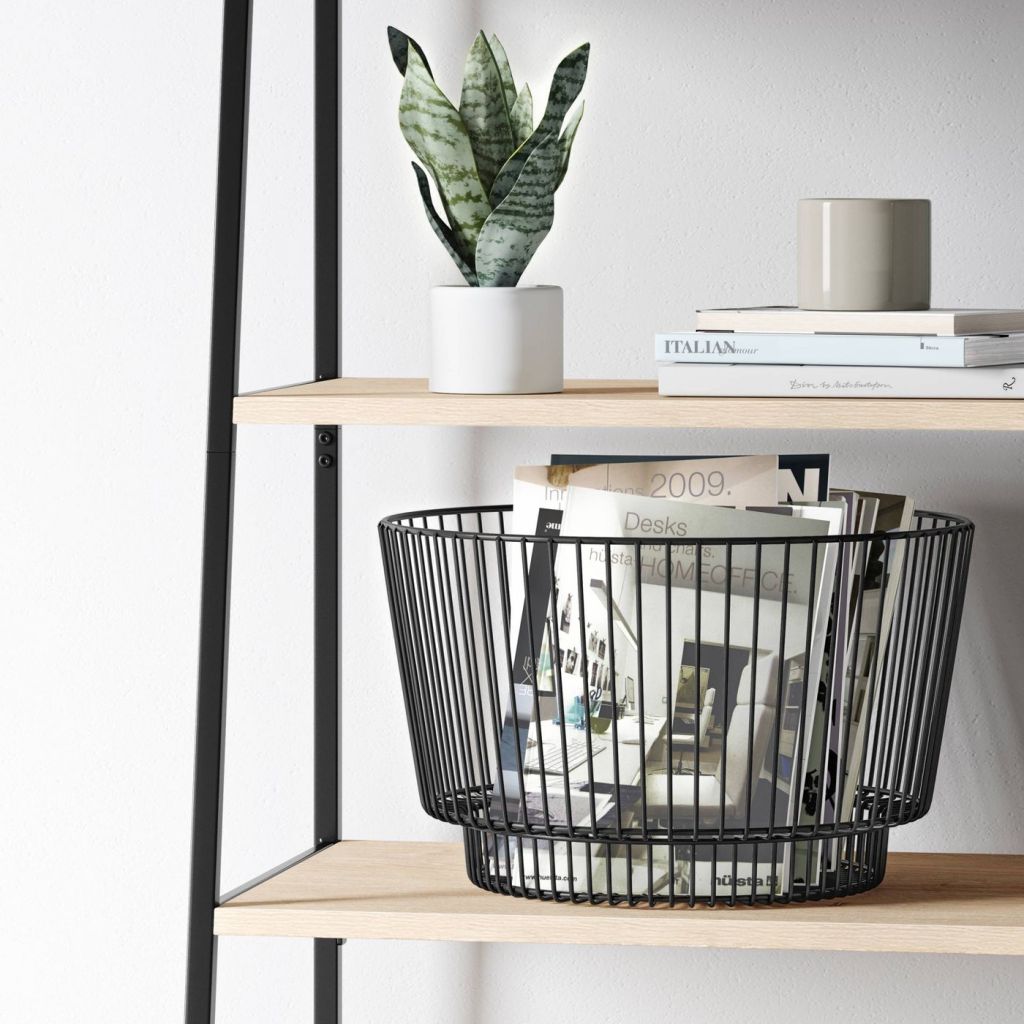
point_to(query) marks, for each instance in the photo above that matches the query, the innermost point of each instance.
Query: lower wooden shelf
(928, 903)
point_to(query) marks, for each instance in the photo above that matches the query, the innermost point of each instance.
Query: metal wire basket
(693, 736)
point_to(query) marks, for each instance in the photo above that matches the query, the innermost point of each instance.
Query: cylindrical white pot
(496, 341)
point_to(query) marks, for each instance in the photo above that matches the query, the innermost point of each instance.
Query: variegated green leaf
(522, 115)
(516, 228)
(441, 229)
(508, 83)
(400, 43)
(434, 130)
(565, 142)
(484, 111)
(565, 87)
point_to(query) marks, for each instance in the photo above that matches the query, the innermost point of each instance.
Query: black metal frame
(208, 781)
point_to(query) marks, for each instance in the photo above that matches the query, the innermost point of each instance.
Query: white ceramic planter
(496, 341)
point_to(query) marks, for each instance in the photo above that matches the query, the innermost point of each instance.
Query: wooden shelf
(928, 903)
(609, 403)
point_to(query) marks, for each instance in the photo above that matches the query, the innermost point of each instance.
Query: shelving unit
(609, 403)
(340, 890)
(929, 903)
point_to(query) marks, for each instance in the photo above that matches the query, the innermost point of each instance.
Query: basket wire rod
(875, 670)
(796, 780)
(754, 644)
(435, 668)
(610, 627)
(829, 695)
(552, 552)
(883, 720)
(845, 846)
(429, 725)
(848, 708)
(641, 726)
(513, 709)
(534, 651)
(931, 671)
(490, 664)
(455, 667)
(587, 712)
(900, 630)
(925, 623)
(779, 708)
(898, 799)
(473, 671)
(435, 663)
(960, 573)
(614, 711)
(440, 662)
(667, 701)
(698, 577)
(425, 725)
(698, 568)
(914, 695)
(388, 541)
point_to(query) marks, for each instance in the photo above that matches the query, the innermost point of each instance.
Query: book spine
(819, 349)
(694, 380)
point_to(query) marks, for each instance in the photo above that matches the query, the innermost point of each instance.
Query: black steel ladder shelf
(208, 782)
(987, 920)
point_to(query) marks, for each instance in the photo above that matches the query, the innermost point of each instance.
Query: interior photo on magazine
(660, 684)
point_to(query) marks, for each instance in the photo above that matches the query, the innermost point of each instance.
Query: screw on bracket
(325, 437)
(325, 461)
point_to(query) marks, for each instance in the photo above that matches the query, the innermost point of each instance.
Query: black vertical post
(327, 825)
(216, 573)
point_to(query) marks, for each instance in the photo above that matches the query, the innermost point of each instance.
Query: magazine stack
(782, 351)
(685, 679)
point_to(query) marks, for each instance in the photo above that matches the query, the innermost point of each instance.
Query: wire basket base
(653, 874)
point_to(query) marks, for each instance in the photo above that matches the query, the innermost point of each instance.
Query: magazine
(895, 513)
(538, 500)
(669, 711)
(801, 477)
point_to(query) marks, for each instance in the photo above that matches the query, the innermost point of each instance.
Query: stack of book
(776, 351)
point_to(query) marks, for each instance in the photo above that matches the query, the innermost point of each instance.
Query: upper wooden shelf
(608, 403)
(928, 903)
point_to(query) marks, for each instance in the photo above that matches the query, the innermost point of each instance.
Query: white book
(761, 381)
(840, 349)
(911, 321)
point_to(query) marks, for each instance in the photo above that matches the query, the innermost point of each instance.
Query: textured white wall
(705, 124)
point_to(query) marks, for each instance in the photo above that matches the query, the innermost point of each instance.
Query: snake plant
(496, 173)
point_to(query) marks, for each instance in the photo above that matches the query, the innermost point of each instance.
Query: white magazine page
(538, 499)
(632, 700)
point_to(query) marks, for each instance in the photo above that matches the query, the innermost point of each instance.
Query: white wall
(704, 125)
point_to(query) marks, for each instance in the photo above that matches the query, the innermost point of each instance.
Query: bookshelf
(608, 403)
(928, 903)
(345, 889)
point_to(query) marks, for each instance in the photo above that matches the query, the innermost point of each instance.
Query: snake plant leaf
(521, 222)
(565, 87)
(400, 43)
(485, 111)
(508, 83)
(522, 115)
(434, 130)
(441, 229)
(565, 142)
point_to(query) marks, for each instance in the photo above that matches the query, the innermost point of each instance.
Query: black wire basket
(641, 722)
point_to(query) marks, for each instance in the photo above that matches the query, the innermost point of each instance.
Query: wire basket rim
(953, 524)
